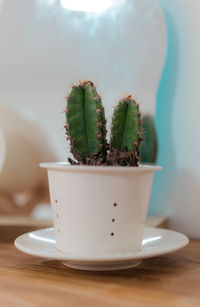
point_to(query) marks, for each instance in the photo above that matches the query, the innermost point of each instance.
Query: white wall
(185, 204)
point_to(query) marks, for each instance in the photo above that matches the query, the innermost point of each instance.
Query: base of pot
(102, 266)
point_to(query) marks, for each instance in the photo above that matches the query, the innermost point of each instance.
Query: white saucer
(156, 242)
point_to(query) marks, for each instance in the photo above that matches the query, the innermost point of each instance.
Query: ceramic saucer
(156, 242)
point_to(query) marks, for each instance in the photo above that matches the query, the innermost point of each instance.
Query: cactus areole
(86, 129)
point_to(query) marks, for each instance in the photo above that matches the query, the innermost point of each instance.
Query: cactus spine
(125, 134)
(86, 124)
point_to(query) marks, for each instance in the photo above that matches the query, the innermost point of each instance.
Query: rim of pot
(66, 166)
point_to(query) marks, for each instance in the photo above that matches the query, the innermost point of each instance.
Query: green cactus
(125, 134)
(86, 129)
(149, 143)
(86, 125)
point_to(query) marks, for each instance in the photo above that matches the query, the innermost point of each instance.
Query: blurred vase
(22, 148)
(121, 49)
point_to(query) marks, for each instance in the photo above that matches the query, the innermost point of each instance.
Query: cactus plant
(149, 143)
(86, 129)
(86, 125)
(125, 134)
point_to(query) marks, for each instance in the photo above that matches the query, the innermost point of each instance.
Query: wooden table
(171, 280)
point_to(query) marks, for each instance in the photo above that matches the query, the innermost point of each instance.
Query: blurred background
(149, 48)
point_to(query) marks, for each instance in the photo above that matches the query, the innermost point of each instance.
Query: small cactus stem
(149, 140)
(126, 125)
(125, 135)
(86, 124)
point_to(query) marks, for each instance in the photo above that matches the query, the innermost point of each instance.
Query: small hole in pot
(58, 229)
(56, 201)
(57, 215)
(115, 204)
(113, 220)
(112, 234)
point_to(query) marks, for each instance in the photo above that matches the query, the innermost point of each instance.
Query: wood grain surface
(171, 280)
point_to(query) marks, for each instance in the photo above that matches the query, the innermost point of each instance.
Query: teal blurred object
(163, 183)
(150, 144)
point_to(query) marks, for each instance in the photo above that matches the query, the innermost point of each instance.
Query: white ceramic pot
(99, 210)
